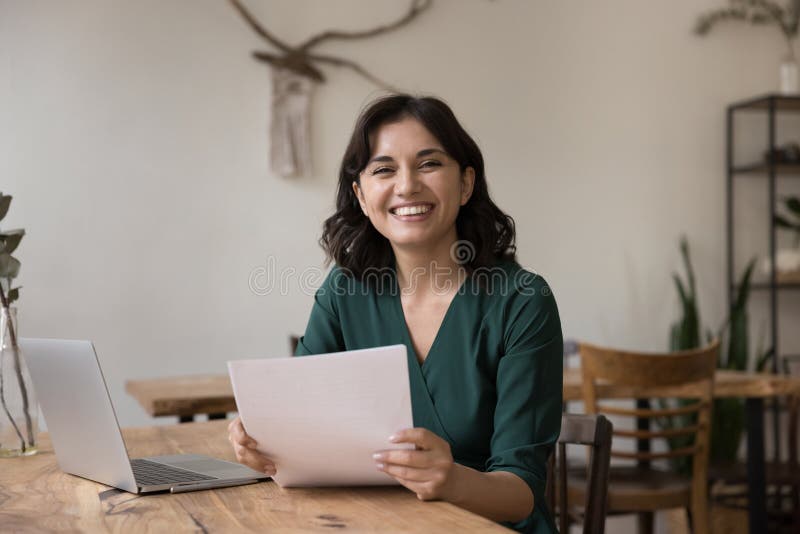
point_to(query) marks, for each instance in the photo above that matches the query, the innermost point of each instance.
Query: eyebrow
(422, 153)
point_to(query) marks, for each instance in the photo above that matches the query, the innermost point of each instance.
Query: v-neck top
(491, 384)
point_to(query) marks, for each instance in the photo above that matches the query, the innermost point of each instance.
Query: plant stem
(26, 409)
(4, 303)
(18, 370)
(10, 418)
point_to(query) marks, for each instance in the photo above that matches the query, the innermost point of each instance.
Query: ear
(360, 197)
(467, 184)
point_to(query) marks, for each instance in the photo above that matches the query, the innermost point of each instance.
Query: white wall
(134, 142)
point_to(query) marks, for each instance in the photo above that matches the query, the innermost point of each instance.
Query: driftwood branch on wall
(295, 71)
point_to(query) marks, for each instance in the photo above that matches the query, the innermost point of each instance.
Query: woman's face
(411, 189)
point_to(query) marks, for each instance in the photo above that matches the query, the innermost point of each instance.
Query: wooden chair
(643, 488)
(593, 431)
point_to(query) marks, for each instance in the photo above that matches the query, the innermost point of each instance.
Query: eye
(430, 164)
(381, 170)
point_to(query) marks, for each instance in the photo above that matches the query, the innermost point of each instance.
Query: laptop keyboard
(149, 473)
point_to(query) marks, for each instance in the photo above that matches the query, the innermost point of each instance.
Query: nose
(407, 182)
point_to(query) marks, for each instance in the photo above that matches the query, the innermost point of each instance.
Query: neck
(428, 269)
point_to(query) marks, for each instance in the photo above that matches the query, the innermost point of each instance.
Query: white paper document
(320, 418)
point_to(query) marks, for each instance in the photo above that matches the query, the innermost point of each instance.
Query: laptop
(85, 433)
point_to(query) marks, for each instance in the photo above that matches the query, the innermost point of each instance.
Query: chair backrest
(611, 373)
(595, 432)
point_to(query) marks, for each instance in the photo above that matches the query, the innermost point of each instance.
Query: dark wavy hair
(348, 237)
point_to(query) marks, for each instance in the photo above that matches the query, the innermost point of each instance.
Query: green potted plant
(728, 414)
(784, 16)
(18, 420)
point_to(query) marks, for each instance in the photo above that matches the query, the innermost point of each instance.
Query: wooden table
(184, 396)
(191, 395)
(35, 496)
(187, 396)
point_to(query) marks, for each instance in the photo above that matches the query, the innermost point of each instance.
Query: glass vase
(19, 412)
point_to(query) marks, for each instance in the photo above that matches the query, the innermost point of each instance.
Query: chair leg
(699, 519)
(645, 522)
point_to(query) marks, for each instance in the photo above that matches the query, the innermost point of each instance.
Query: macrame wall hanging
(295, 72)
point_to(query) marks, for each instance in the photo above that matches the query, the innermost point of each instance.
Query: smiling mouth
(406, 211)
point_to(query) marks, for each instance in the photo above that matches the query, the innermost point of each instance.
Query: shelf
(792, 169)
(782, 103)
(765, 286)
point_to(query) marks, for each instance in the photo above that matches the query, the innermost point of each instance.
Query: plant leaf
(9, 265)
(744, 286)
(13, 294)
(783, 222)
(675, 337)
(687, 263)
(738, 335)
(9, 241)
(764, 359)
(681, 290)
(5, 203)
(708, 20)
(727, 427)
(685, 334)
(793, 204)
(738, 343)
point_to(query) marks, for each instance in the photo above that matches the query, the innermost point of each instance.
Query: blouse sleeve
(527, 418)
(323, 333)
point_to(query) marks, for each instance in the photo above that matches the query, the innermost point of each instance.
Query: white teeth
(413, 210)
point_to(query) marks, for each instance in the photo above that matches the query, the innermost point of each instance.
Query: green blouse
(492, 381)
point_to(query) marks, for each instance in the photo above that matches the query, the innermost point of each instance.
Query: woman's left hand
(428, 471)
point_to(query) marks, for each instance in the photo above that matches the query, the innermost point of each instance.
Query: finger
(246, 452)
(410, 474)
(238, 435)
(252, 453)
(421, 437)
(411, 485)
(243, 441)
(255, 460)
(407, 457)
(232, 424)
(235, 427)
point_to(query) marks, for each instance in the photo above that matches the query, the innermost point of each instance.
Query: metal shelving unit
(772, 105)
(772, 171)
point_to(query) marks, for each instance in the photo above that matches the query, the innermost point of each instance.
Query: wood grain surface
(35, 496)
(190, 395)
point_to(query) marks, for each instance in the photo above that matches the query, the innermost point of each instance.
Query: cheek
(375, 198)
(454, 196)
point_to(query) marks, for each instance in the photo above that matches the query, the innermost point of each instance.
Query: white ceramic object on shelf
(790, 77)
(787, 260)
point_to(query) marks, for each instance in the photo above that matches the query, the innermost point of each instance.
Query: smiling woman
(483, 334)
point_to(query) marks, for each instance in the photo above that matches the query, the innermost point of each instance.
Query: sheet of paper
(320, 418)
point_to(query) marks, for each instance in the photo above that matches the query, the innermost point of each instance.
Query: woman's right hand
(245, 448)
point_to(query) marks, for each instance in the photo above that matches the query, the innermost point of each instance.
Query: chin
(409, 241)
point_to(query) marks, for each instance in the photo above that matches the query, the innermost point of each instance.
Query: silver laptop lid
(77, 408)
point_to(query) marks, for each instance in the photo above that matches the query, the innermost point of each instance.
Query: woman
(425, 258)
